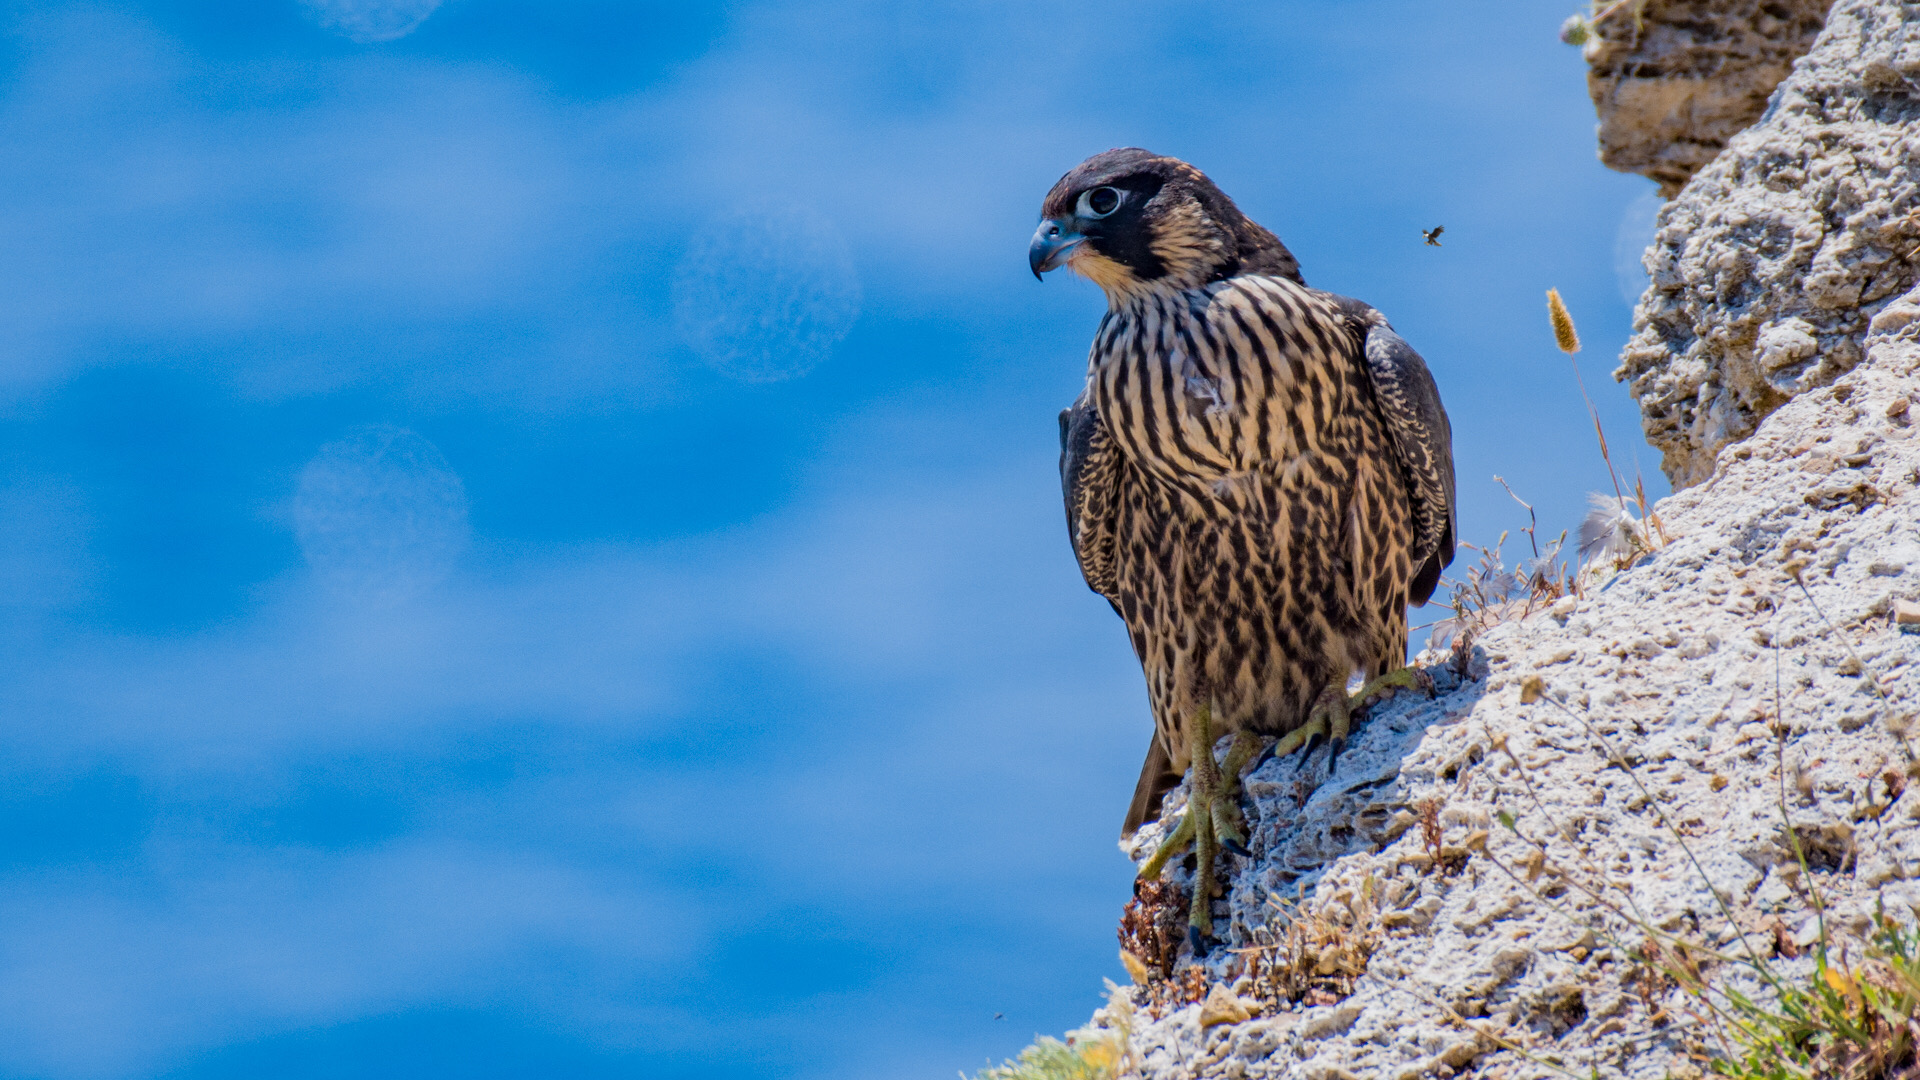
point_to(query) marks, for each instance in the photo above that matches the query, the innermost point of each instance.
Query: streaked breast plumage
(1257, 475)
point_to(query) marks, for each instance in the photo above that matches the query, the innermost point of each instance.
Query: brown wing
(1409, 404)
(1089, 482)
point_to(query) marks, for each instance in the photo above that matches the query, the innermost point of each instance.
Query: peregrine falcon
(1258, 477)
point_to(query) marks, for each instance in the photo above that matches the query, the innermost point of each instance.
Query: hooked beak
(1052, 245)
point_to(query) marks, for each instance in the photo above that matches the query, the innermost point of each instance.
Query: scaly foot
(1406, 677)
(1339, 706)
(1212, 821)
(1224, 811)
(1228, 825)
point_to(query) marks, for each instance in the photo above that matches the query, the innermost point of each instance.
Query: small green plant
(1090, 1053)
(1051, 1059)
(1583, 27)
(1853, 1022)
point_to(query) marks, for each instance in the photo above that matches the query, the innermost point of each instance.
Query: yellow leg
(1241, 752)
(1335, 711)
(1226, 818)
(1331, 717)
(1328, 719)
(1336, 708)
(1314, 728)
(1227, 824)
(1202, 791)
(1176, 843)
(1212, 819)
(1211, 822)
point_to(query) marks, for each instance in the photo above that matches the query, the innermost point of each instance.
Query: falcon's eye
(1099, 202)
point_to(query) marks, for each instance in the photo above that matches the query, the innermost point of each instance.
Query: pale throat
(1124, 287)
(1188, 246)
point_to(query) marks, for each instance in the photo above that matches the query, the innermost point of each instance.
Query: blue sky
(529, 535)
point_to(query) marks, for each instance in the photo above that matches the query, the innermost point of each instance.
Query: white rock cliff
(1770, 265)
(1673, 80)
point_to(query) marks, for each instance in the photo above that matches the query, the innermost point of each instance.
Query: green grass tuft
(1103, 1051)
(1051, 1059)
(1847, 1023)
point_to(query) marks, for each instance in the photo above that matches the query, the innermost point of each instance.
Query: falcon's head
(1134, 222)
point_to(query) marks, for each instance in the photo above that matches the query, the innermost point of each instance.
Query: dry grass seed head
(1320, 954)
(1151, 925)
(1563, 332)
(1431, 835)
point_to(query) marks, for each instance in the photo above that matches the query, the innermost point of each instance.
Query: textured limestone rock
(1770, 265)
(1650, 768)
(1673, 80)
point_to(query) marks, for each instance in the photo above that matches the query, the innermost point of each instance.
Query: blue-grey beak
(1052, 243)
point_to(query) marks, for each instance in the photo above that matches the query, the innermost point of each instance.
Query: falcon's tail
(1428, 579)
(1156, 779)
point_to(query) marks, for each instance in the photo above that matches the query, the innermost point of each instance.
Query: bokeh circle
(766, 296)
(370, 21)
(380, 515)
(1638, 223)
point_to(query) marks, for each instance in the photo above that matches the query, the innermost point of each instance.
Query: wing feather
(1409, 403)
(1090, 481)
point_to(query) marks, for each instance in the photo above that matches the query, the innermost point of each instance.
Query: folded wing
(1409, 403)
(1089, 481)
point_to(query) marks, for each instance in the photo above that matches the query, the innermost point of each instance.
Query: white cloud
(373, 199)
(926, 633)
(899, 667)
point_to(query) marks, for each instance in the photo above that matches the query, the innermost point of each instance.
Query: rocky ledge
(1770, 265)
(1673, 80)
(1751, 672)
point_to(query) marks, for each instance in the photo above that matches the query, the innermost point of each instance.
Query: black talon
(1198, 942)
(1265, 756)
(1237, 848)
(1333, 752)
(1313, 743)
